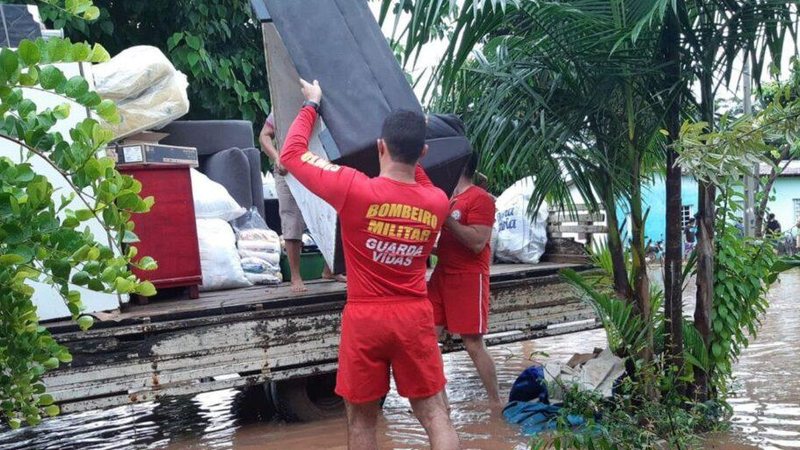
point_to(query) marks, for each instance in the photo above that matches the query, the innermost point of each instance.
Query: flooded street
(766, 399)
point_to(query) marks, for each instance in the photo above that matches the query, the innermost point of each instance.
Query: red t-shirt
(388, 227)
(471, 207)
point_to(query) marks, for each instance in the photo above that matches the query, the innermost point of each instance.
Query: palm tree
(714, 33)
(558, 88)
(558, 91)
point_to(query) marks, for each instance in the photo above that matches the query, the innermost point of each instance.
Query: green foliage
(217, 43)
(629, 420)
(43, 233)
(744, 271)
(731, 151)
(625, 330)
(788, 90)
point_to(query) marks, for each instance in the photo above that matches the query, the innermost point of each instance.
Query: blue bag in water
(529, 385)
(535, 417)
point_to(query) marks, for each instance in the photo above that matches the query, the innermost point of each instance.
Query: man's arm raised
(329, 181)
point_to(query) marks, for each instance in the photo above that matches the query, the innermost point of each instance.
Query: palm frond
(626, 332)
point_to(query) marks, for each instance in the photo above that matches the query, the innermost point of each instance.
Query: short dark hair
(472, 165)
(404, 134)
(771, 216)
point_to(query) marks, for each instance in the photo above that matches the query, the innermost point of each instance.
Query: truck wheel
(254, 404)
(307, 399)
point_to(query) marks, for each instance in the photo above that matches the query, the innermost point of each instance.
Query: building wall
(786, 192)
(655, 198)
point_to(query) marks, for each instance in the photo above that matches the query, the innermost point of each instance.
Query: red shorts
(460, 301)
(377, 336)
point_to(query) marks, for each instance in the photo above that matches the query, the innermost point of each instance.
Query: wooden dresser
(168, 233)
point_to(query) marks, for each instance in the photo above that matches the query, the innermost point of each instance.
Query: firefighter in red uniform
(389, 225)
(459, 286)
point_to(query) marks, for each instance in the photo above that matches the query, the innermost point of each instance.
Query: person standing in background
(689, 238)
(292, 223)
(797, 239)
(773, 226)
(459, 286)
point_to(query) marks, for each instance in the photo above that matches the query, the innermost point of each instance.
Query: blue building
(785, 205)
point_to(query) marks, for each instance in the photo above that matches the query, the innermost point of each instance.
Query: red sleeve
(422, 177)
(481, 210)
(329, 181)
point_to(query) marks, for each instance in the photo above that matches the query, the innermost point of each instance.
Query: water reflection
(766, 401)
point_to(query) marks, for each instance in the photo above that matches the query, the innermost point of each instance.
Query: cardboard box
(143, 148)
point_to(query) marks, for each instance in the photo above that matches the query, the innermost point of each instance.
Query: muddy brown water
(766, 401)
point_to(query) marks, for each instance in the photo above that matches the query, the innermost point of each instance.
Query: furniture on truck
(285, 342)
(167, 233)
(227, 154)
(257, 336)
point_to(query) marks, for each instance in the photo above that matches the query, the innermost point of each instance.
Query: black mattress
(16, 24)
(339, 43)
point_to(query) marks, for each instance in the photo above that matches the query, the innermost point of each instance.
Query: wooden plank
(241, 300)
(577, 229)
(557, 217)
(578, 208)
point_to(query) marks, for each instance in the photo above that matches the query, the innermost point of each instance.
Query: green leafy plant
(43, 233)
(625, 330)
(745, 269)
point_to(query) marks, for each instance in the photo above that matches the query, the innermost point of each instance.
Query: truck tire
(307, 399)
(254, 404)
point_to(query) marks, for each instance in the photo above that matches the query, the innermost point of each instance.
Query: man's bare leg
(485, 365)
(361, 422)
(432, 414)
(293, 248)
(328, 274)
(440, 335)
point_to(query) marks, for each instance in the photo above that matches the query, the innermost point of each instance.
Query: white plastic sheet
(521, 238)
(598, 374)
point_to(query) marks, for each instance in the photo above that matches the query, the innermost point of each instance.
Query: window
(796, 209)
(686, 215)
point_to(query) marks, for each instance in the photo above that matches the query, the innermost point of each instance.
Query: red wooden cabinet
(168, 233)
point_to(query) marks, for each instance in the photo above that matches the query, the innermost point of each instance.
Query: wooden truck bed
(247, 336)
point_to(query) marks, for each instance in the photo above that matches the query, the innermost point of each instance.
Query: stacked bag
(148, 90)
(219, 259)
(259, 249)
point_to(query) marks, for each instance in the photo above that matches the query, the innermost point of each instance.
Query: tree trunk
(641, 282)
(705, 275)
(705, 237)
(620, 269)
(673, 254)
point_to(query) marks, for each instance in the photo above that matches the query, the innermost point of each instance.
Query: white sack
(273, 259)
(148, 90)
(265, 278)
(212, 200)
(219, 260)
(520, 237)
(131, 72)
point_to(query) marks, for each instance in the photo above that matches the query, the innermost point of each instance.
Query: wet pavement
(766, 401)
